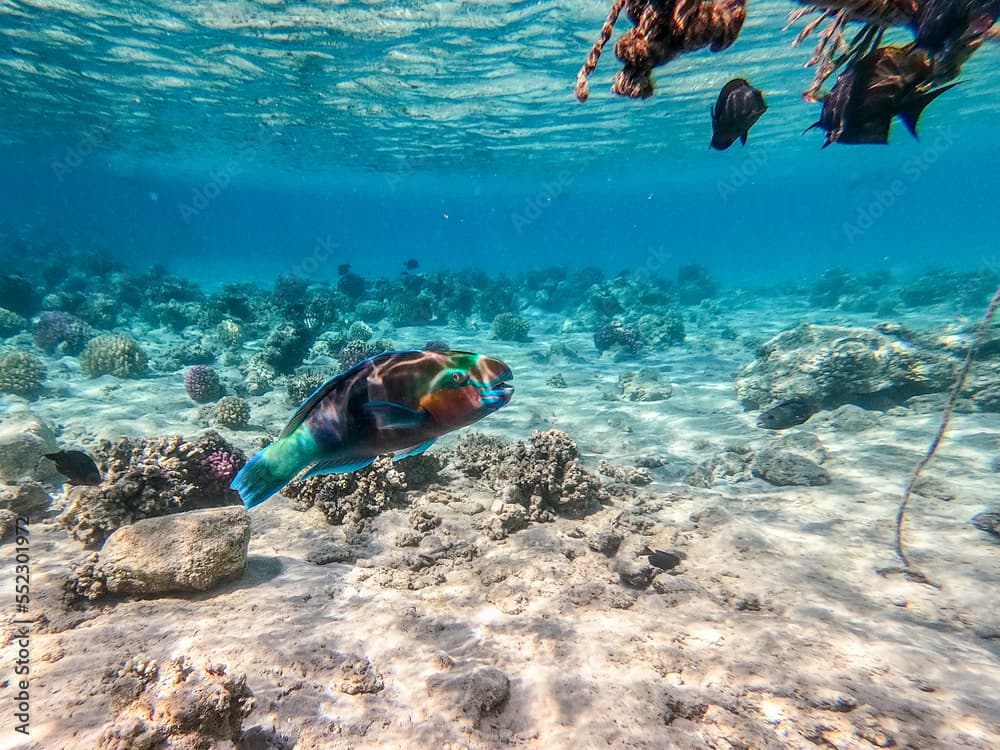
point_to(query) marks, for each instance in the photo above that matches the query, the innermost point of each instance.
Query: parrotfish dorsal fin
(391, 416)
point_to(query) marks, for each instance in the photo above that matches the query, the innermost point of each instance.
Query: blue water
(238, 143)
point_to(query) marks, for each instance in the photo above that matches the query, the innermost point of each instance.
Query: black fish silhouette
(738, 107)
(885, 83)
(784, 415)
(951, 30)
(343, 269)
(77, 467)
(412, 264)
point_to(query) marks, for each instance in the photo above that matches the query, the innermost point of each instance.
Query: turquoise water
(240, 141)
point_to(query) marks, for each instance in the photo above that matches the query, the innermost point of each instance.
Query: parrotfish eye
(459, 378)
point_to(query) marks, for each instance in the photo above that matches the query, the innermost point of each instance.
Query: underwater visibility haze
(738, 259)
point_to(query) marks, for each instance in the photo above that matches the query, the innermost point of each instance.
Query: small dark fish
(663, 560)
(738, 107)
(872, 90)
(951, 30)
(343, 269)
(77, 467)
(784, 415)
(412, 264)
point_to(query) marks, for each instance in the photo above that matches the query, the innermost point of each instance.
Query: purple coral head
(221, 466)
(202, 384)
(60, 331)
(616, 336)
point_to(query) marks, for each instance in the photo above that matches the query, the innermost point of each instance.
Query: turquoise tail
(263, 476)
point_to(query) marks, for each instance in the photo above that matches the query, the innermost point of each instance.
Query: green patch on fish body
(396, 402)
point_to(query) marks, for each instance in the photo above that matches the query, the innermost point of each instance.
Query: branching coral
(232, 412)
(120, 356)
(662, 32)
(152, 477)
(62, 332)
(544, 475)
(202, 384)
(350, 498)
(21, 374)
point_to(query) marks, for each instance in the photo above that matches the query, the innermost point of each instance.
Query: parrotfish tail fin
(262, 477)
(911, 113)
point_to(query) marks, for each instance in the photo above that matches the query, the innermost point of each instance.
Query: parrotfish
(395, 402)
(739, 106)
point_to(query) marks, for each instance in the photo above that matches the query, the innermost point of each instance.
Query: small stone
(486, 690)
(786, 469)
(833, 700)
(605, 541)
(358, 676)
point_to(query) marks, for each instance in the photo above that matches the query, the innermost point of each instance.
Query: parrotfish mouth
(497, 392)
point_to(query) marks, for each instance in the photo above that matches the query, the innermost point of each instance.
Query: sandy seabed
(775, 631)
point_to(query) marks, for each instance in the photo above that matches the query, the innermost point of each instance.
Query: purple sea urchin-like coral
(60, 331)
(220, 466)
(615, 335)
(202, 384)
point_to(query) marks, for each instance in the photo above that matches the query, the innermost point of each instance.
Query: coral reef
(188, 353)
(370, 311)
(354, 351)
(175, 706)
(350, 498)
(302, 385)
(544, 475)
(18, 294)
(828, 366)
(152, 477)
(511, 327)
(359, 331)
(352, 285)
(202, 384)
(232, 412)
(58, 331)
(11, 322)
(694, 285)
(120, 356)
(21, 374)
(617, 337)
(230, 333)
(285, 347)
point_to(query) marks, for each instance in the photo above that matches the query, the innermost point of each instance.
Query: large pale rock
(828, 366)
(190, 551)
(24, 439)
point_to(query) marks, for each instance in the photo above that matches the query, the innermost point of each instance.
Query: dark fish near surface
(887, 82)
(77, 467)
(738, 107)
(393, 402)
(784, 415)
(951, 30)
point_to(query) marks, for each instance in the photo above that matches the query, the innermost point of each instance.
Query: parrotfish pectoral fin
(336, 466)
(415, 451)
(390, 416)
(743, 137)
